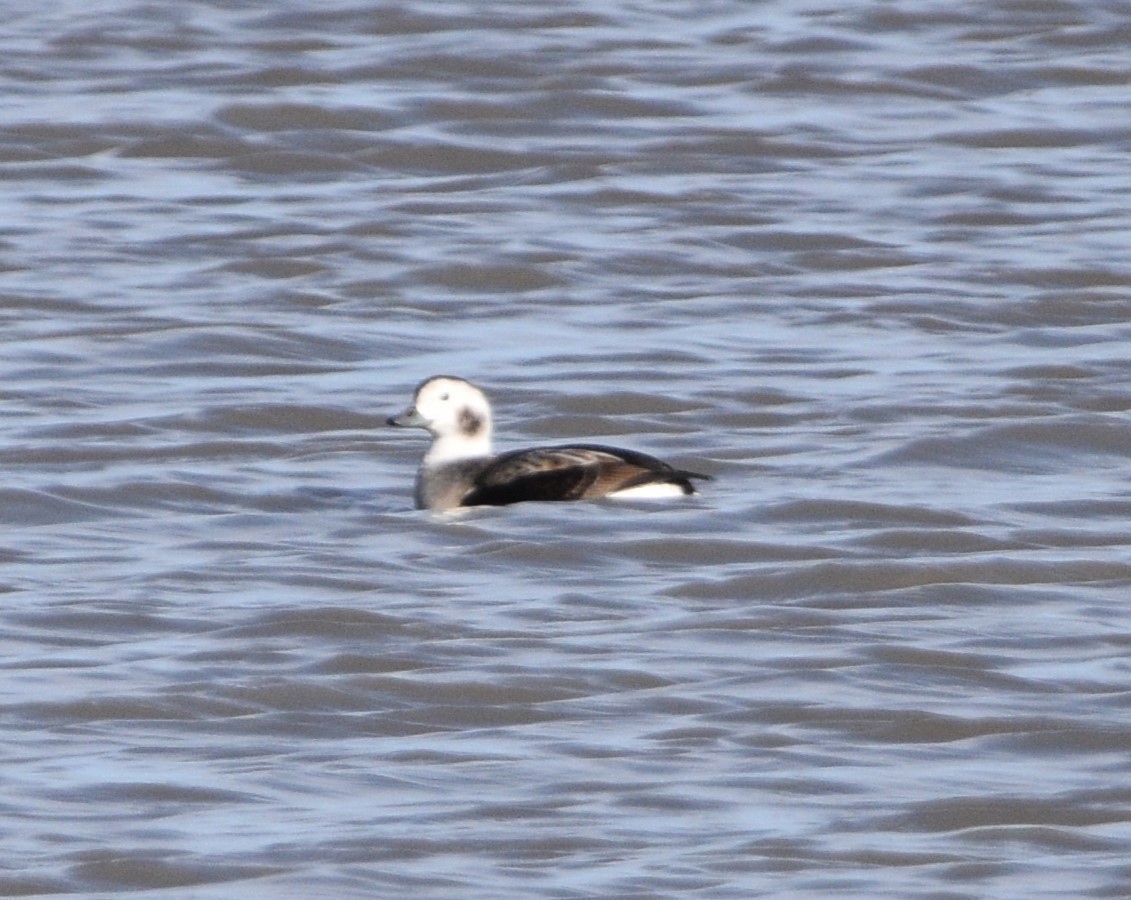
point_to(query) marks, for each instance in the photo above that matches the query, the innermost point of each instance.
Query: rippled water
(866, 263)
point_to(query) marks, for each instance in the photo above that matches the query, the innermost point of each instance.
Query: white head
(457, 415)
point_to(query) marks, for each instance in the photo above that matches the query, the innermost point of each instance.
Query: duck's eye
(443, 396)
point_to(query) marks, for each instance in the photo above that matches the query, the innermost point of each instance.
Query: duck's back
(571, 472)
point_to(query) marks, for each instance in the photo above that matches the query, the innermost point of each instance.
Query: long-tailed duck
(459, 468)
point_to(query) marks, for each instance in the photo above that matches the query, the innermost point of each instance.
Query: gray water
(866, 263)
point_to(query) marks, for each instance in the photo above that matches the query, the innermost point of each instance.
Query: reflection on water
(865, 265)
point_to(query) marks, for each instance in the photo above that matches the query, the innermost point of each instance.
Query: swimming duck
(460, 469)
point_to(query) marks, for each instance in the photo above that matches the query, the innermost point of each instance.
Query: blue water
(864, 264)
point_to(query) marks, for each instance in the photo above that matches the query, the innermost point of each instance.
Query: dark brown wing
(576, 472)
(643, 461)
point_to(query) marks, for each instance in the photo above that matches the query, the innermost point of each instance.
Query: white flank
(648, 492)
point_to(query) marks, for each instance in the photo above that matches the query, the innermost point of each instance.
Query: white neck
(450, 448)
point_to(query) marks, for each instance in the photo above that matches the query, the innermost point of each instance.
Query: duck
(460, 468)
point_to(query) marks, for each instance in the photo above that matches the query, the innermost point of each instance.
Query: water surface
(867, 265)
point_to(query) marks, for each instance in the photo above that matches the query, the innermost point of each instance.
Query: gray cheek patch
(469, 423)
